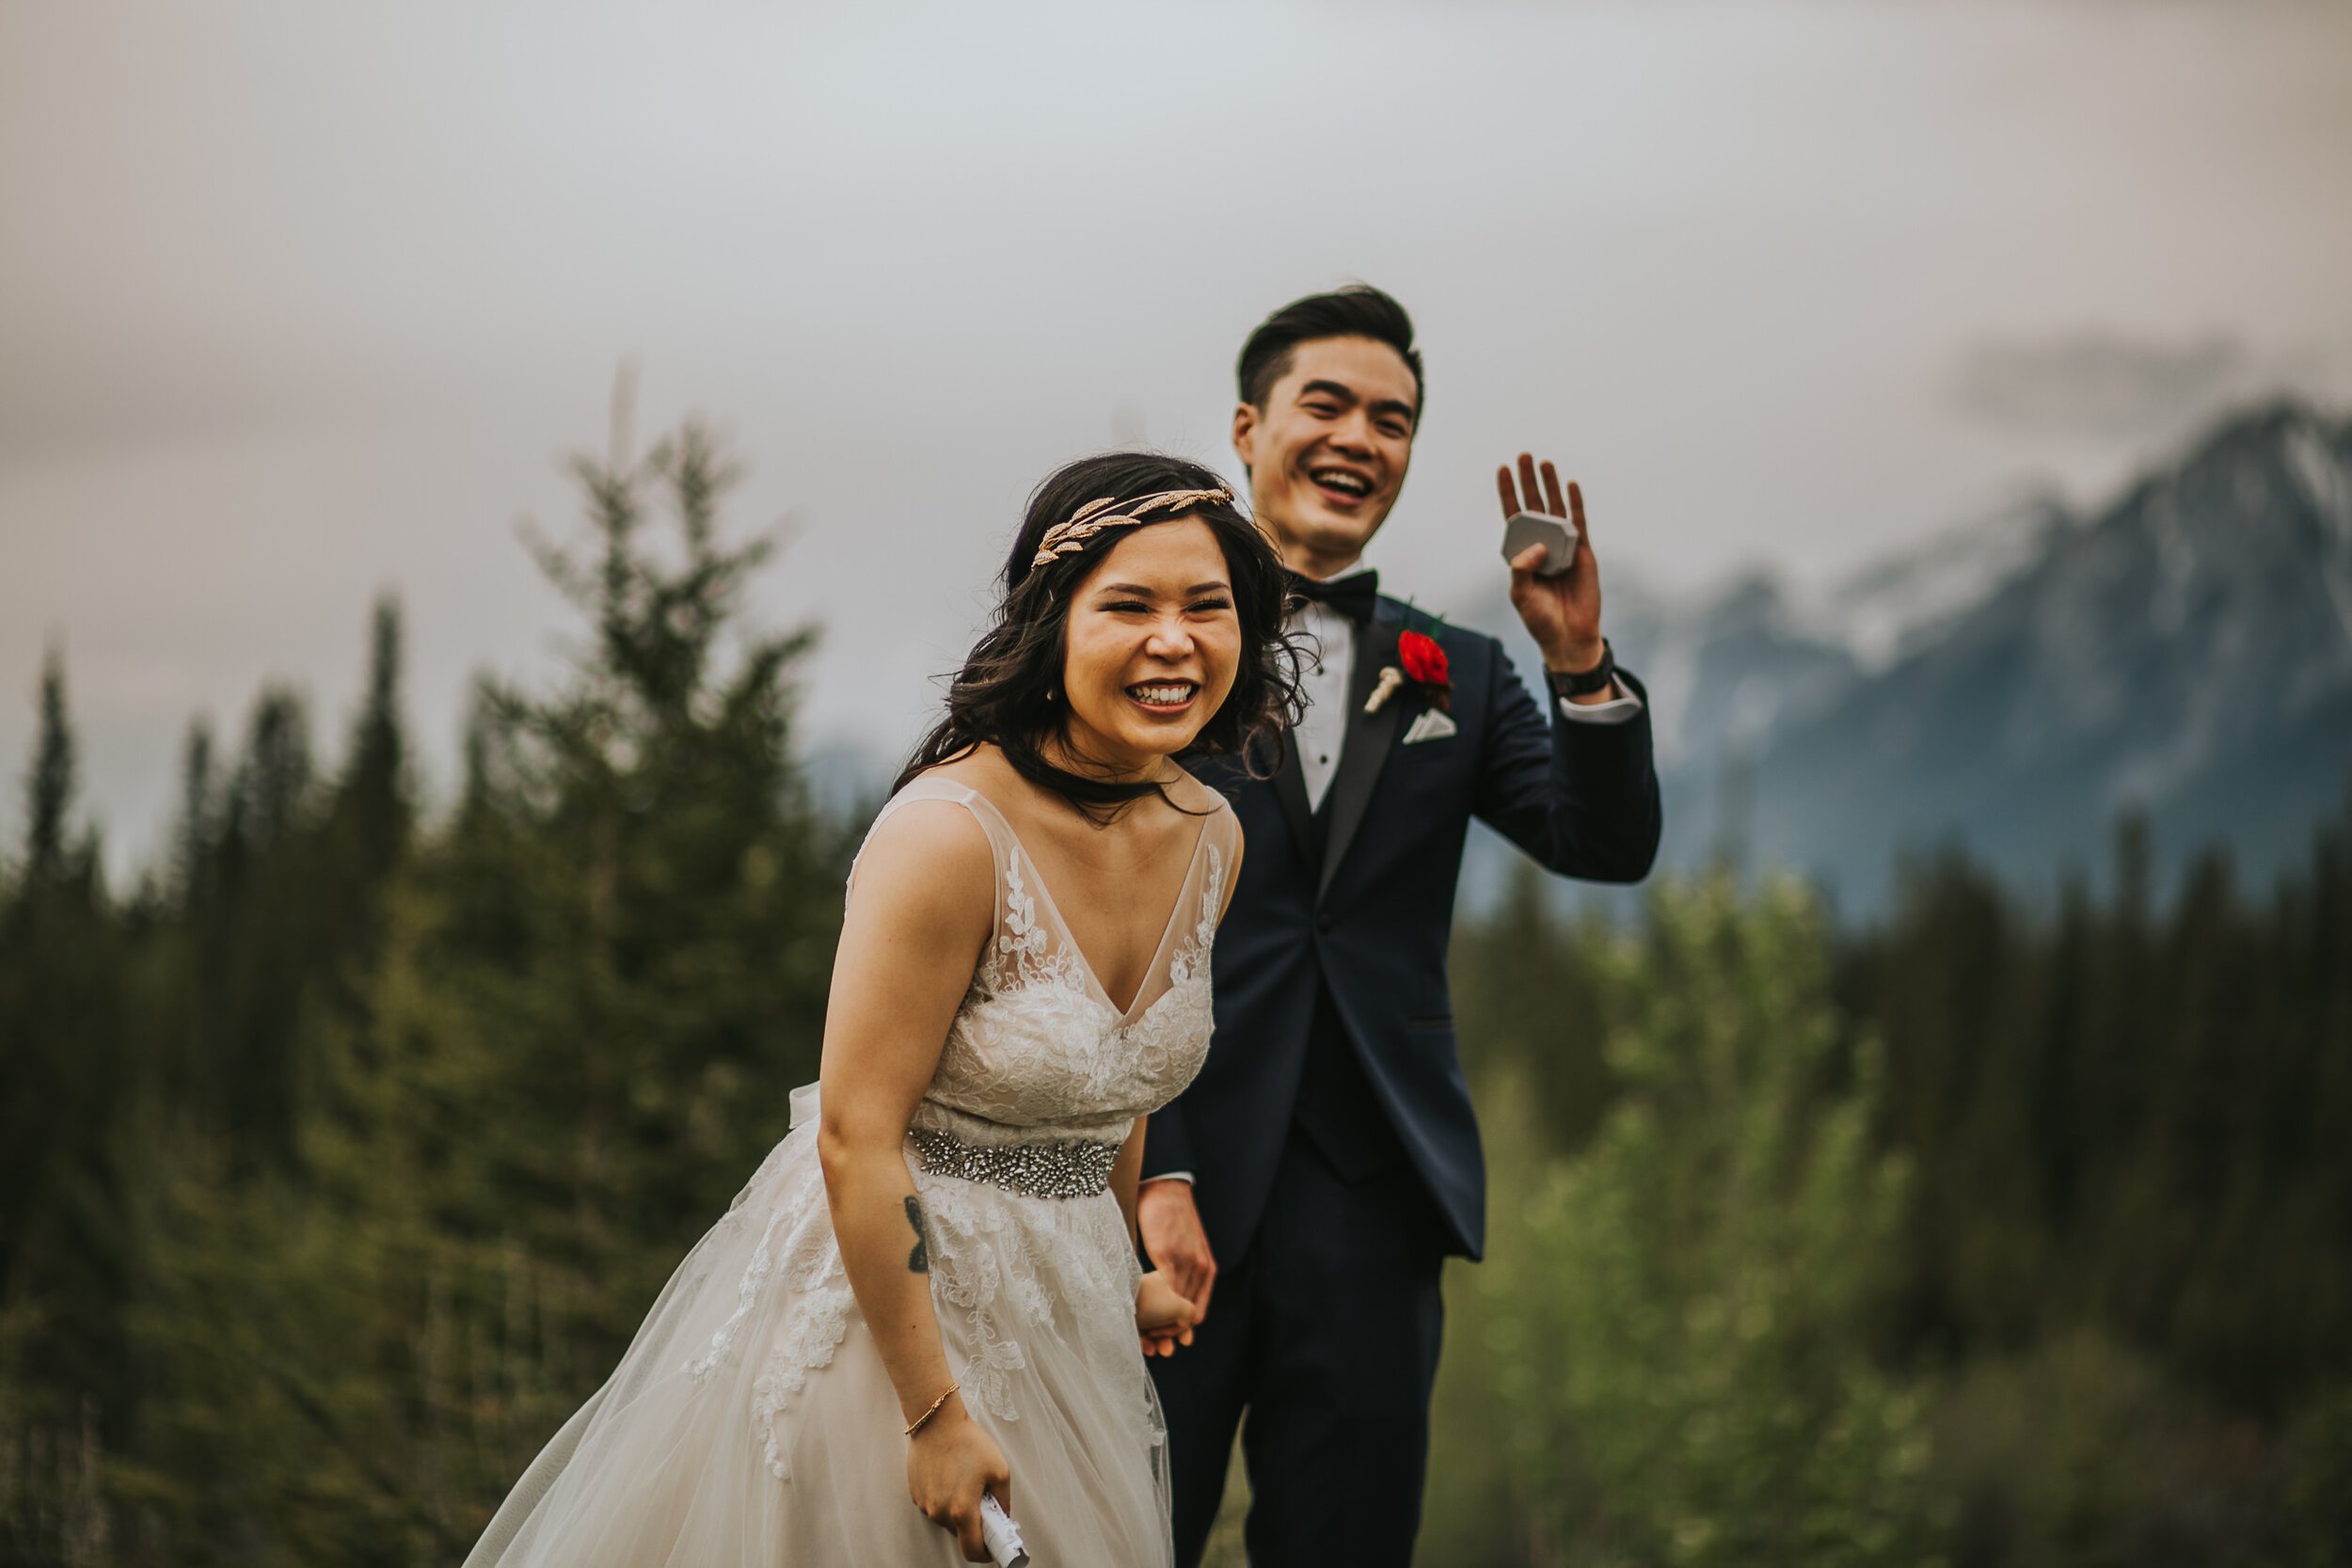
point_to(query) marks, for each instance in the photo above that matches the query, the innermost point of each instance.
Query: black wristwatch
(1594, 679)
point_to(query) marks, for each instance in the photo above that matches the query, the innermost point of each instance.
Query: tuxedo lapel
(1365, 752)
(1290, 791)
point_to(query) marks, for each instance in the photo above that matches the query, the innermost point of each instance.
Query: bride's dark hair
(1001, 695)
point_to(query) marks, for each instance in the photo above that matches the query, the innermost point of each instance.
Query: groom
(1326, 1162)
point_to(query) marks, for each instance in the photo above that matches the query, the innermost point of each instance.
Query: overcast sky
(299, 303)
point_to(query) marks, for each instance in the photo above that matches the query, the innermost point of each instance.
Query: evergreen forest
(343, 1150)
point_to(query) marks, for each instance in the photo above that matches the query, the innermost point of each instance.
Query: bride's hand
(1164, 1318)
(951, 1465)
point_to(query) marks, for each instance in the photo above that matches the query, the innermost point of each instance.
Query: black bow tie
(1352, 596)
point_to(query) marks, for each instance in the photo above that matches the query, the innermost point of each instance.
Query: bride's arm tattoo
(919, 1261)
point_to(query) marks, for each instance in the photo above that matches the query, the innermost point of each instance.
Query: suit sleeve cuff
(1183, 1176)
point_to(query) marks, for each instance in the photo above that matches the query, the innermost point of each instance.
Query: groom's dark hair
(1358, 310)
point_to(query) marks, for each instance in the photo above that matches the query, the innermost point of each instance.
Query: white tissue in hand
(1001, 1535)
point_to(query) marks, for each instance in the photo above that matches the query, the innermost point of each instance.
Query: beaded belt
(1073, 1167)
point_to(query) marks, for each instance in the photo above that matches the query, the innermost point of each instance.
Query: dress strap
(984, 812)
(1212, 885)
(1227, 832)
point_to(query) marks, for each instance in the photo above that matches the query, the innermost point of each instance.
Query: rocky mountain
(2186, 651)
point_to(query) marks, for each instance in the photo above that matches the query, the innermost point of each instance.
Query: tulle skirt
(751, 1421)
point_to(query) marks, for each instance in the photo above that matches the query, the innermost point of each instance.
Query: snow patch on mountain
(2324, 474)
(1889, 608)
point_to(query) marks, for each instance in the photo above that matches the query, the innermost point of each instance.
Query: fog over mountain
(2185, 651)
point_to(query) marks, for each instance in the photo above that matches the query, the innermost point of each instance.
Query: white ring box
(1555, 534)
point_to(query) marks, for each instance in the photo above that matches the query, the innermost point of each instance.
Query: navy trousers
(1321, 1346)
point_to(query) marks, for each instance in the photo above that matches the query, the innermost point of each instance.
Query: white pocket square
(1431, 725)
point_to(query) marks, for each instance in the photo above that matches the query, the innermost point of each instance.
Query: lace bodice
(1038, 1049)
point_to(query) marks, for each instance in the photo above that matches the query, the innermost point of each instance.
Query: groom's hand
(1563, 613)
(1178, 1247)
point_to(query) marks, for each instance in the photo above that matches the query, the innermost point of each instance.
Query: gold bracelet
(926, 1415)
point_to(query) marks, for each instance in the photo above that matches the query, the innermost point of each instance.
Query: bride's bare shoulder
(983, 769)
(1191, 796)
(928, 860)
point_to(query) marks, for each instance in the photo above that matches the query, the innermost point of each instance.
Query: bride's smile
(1151, 647)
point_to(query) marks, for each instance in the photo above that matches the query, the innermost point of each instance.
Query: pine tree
(584, 1006)
(193, 834)
(372, 810)
(49, 787)
(67, 1253)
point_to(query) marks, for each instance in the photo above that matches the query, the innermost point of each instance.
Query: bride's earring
(1051, 695)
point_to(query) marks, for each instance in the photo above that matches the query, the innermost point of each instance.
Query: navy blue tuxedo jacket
(1362, 901)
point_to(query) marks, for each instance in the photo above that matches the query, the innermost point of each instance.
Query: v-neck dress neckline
(1138, 1006)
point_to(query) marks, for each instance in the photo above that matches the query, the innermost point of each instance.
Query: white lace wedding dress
(750, 1422)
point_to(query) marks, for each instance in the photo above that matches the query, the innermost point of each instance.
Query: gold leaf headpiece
(1067, 538)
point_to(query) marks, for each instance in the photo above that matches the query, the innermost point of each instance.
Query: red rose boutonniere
(1423, 664)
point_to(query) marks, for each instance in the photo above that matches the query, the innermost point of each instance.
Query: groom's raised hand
(1172, 1236)
(1563, 613)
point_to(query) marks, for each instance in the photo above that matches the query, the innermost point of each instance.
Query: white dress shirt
(1324, 684)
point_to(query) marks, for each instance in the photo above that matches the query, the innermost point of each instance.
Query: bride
(929, 1291)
